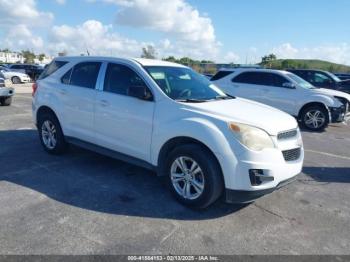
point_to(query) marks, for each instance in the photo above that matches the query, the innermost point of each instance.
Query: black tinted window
(119, 78)
(220, 74)
(254, 78)
(66, 77)
(17, 67)
(277, 80)
(85, 74)
(246, 78)
(51, 68)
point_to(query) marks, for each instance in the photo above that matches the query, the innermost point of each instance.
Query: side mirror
(140, 92)
(288, 85)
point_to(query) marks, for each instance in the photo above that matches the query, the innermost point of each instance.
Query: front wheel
(194, 176)
(50, 133)
(315, 118)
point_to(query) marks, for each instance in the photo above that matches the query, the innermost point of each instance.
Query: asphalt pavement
(86, 203)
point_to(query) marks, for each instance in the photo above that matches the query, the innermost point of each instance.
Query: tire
(16, 80)
(205, 186)
(6, 101)
(315, 118)
(50, 134)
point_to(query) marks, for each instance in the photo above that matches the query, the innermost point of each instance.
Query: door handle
(104, 103)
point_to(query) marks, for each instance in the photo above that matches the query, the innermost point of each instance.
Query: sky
(239, 31)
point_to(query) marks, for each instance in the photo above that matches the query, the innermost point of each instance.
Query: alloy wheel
(48, 133)
(187, 178)
(314, 119)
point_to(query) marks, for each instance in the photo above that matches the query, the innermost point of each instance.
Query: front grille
(287, 134)
(292, 154)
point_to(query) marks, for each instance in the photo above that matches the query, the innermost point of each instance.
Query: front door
(123, 123)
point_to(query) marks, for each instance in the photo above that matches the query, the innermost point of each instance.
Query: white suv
(313, 107)
(168, 118)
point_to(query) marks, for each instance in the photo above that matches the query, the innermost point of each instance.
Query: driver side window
(120, 78)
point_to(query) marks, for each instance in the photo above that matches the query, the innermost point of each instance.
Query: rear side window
(247, 78)
(52, 68)
(221, 74)
(66, 78)
(120, 78)
(83, 75)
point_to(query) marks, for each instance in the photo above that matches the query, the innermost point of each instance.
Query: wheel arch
(45, 109)
(174, 142)
(311, 104)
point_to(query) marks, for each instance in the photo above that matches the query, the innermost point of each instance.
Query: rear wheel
(315, 118)
(16, 80)
(50, 133)
(194, 176)
(6, 101)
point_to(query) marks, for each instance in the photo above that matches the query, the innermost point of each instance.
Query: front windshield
(301, 82)
(183, 84)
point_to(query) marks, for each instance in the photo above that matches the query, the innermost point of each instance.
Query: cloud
(94, 36)
(61, 2)
(192, 33)
(338, 53)
(231, 57)
(18, 19)
(16, 12)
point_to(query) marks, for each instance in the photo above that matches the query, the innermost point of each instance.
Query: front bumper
(337, 114)
(251, 174)
(6, 91)
(244, 196)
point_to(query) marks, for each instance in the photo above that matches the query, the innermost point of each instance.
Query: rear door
(78, 93)
(123, 123)
(246, 85)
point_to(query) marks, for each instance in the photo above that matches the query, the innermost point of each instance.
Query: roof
(153, 62)
(246, 69)
(142, 61)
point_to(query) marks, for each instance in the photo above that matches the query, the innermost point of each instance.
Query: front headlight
(252, 137)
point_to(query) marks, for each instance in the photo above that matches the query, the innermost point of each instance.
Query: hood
(248, 112)
(332, 92)
(345, 82)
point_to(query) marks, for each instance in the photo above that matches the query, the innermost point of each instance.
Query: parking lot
(85, 203)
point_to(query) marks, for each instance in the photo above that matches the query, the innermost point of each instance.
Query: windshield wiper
(224, 97)
(191, 100)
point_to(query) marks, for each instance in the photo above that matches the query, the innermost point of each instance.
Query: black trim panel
(243, 196)
(110, 153)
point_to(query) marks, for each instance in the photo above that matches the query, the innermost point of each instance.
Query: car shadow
(94, 182)
(328, 174)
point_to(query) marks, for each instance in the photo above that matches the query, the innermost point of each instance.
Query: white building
(11, 57)
(46, 60)
(15, 57)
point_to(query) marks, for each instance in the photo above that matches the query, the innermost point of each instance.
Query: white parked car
(168, 118)
(14, 76)
(314, 107)
(6, 93)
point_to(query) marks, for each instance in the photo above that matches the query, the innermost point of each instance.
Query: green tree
(41, 57)
(170, 59)
(28, 56)
(149, 52)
